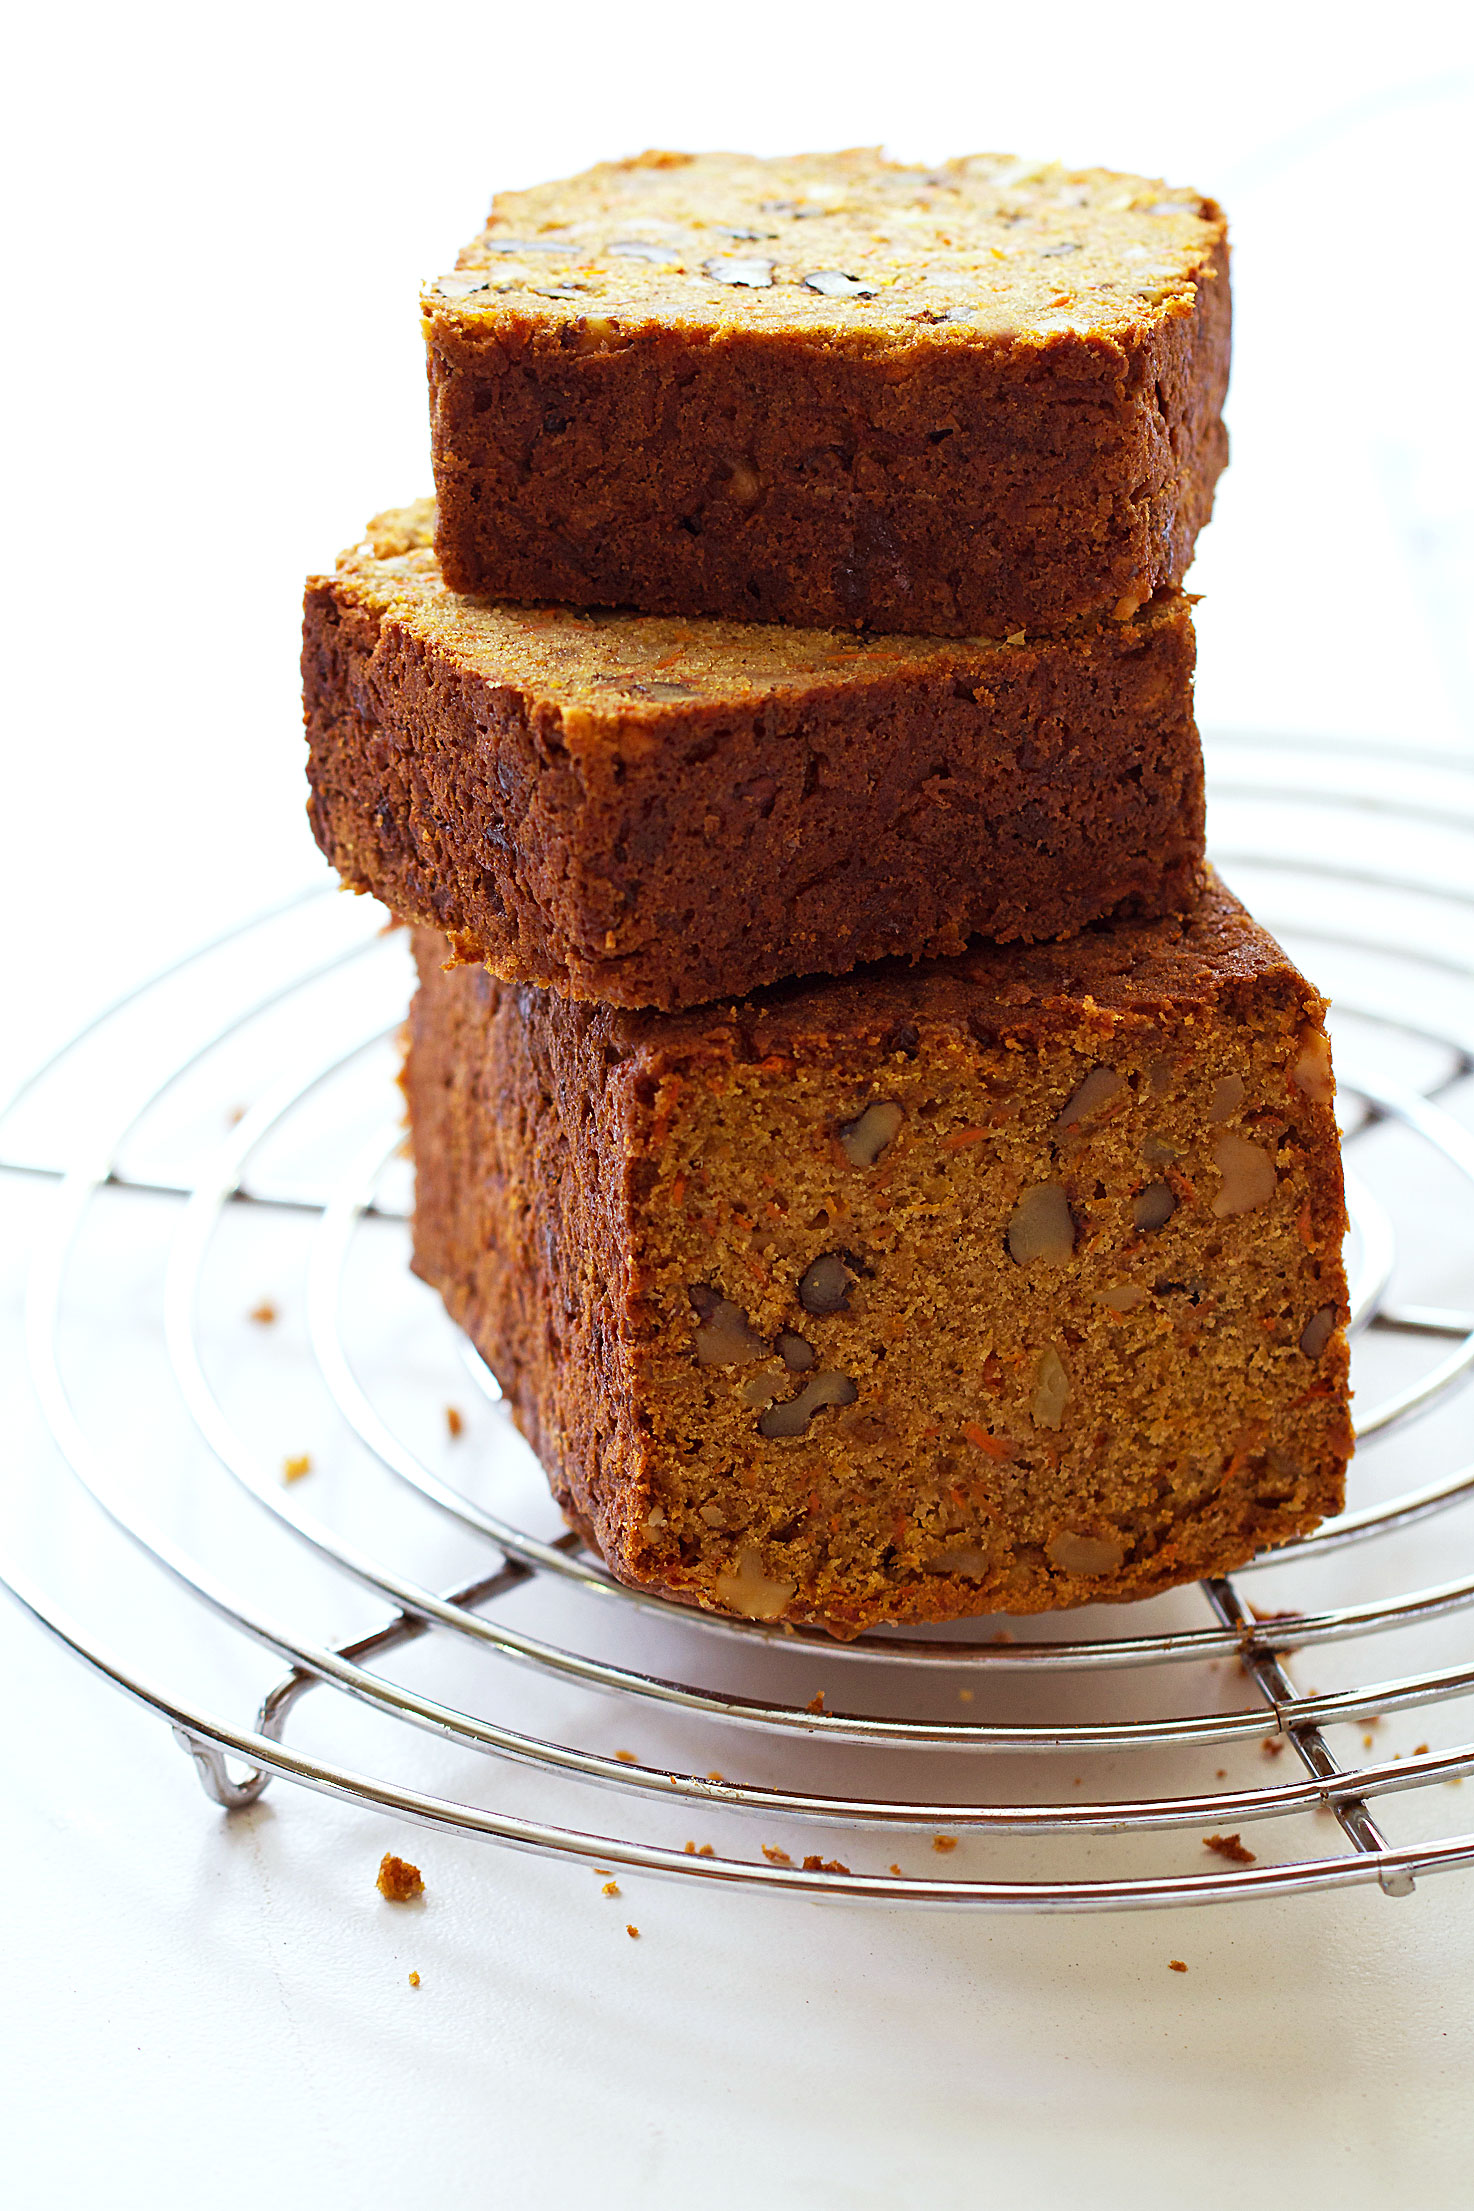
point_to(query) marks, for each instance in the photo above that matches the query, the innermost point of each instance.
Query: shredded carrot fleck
(996, 1447)
(962, 1137)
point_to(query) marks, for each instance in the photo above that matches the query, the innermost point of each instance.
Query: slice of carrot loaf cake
(832, 390)
(659, 812)
(1004, 1282)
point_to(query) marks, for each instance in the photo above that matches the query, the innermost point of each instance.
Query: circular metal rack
(968, 1740)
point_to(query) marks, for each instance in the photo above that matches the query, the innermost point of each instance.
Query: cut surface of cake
(1000, 1283)
(832, 390)
(659, 812)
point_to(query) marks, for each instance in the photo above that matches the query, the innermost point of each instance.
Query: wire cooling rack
(233, 1129)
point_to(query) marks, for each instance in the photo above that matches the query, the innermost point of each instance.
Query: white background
(212, 375)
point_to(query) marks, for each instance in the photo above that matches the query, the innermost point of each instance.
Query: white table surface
(212, 376)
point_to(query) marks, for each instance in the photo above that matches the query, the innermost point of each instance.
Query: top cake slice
(832, 390)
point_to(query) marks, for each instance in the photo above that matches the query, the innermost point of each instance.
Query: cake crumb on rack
(824, 1865)
(900, 1876)
(775, 1856)
(626, 1757)
(944, 1842)
(293, 1469)
(398, 1879)
(1229, 1846)
(816, 1704)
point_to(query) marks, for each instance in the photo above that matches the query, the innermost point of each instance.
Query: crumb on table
(454, 1420)
(1229, 1846)
(293, 1469)
(264, 1313)
(414, 1980)
(824, 1865)
(1175, 1965)
(611, 1888)
(944, 1842)
(398, 1879)
(626, 1757)
(632, 1932)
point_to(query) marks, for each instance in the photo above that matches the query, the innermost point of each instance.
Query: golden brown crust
(660, 812)
(842, 392)
(1003, 1283)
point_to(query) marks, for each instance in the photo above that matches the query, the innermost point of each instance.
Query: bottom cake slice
(1002, 1283)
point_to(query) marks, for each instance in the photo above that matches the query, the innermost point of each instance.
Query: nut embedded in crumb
(454, 1420)
(1041, 1228)
(264, 1313)
(292, 1470)
(398, 1879)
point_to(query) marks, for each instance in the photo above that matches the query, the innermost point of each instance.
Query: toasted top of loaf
(619, 668)
(846, 247)
(1216, 963)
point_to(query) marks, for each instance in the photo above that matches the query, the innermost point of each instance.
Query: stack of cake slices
(889, 1175)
